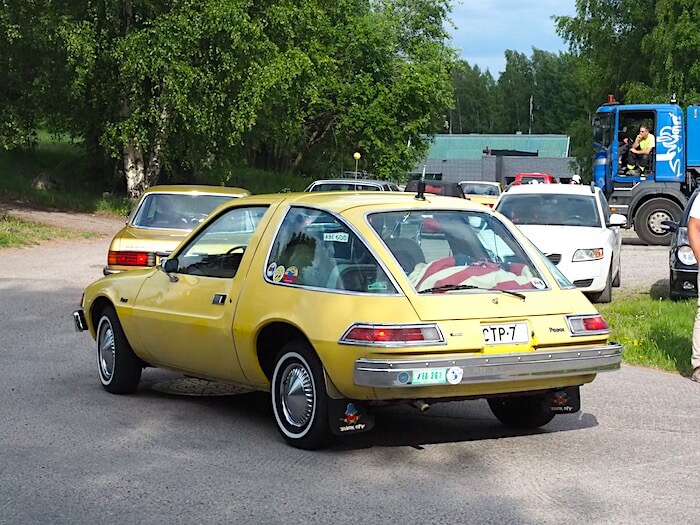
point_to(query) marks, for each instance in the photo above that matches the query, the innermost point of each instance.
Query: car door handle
(219, 298)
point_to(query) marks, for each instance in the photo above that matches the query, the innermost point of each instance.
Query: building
(498, 157)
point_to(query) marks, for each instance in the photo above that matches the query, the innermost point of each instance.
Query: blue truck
(662, 190)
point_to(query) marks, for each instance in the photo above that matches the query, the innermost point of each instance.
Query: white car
(572, 225)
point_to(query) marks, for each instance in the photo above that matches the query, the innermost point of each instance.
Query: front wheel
(649, 217)
(604, 296)
(299, 398)
(521, 411)
(118, 366)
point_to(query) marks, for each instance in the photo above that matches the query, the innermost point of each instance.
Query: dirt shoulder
(88, 222)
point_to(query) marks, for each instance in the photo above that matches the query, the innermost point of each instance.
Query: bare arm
(694, 236)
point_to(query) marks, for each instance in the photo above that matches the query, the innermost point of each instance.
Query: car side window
(313, 248)
(218, 249)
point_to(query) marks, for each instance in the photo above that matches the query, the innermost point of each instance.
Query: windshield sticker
(378, 286)
(279, 273)
(271, 270)
(290, 275)
(336, 237)
(538, 283)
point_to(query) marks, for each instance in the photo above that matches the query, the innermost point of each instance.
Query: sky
(486, 28)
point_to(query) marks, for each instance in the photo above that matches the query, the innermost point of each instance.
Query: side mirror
(169, 266)
(617, 219)
(669, 226)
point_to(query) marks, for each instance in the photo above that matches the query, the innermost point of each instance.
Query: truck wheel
(648, 218)
(299, 398)
(119, 368)
(520, 411)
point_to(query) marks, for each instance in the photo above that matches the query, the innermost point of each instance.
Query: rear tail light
(593, 324)
(393, 335)
(131, 258)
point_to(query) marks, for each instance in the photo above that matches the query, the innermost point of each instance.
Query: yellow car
(335, 302)
(483, 192)
(161, 219)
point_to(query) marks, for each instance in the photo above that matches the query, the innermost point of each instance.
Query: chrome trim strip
(496, 368)
(79, 320)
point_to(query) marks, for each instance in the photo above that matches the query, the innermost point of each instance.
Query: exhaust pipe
(421, 405)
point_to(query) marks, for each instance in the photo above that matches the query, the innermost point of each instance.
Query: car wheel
(521, 411)
(649, 217)
(616, 280)
(605, 296)
(118, 366)
(299, 399)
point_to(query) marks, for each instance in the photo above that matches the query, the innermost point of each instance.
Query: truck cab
(659, 192)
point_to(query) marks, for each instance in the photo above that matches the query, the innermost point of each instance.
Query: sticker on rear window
(538, 283)
(271, 270)
(336, 237)
(279, 273)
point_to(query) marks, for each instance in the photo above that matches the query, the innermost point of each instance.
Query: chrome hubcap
(105, 350)
(296, 395)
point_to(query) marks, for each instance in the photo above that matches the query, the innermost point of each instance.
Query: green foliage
(183, 88)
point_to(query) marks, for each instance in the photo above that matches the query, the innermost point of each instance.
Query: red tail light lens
(393, 335)
(588, 324)
(131, 258)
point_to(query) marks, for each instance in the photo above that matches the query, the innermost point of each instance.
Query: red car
(534, 178)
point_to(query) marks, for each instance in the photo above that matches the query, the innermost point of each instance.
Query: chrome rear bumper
(399, 373)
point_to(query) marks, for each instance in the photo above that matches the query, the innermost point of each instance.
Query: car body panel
(216, 328)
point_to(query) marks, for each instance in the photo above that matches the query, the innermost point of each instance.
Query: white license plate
(430, 376)
(505, 333)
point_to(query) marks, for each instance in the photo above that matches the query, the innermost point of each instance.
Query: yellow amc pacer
(335, 302)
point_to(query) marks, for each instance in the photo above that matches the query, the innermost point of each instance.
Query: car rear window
(473, 250)
(177, 211)
(550, 209)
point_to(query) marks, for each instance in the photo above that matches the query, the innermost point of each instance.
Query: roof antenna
(421, 186)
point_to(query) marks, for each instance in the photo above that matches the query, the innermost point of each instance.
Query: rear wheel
(118, 366)
(521, 411)
(648, 219)
(299, 399)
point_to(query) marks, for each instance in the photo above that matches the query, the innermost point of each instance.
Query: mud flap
(348, 417)
(563, 400)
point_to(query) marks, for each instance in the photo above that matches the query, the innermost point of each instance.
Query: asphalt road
(72, 453)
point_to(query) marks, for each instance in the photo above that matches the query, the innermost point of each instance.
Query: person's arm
(694, 236)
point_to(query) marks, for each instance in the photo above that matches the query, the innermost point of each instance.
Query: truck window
(602, 130)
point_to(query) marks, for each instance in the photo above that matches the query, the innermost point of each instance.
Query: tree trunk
(134, 170)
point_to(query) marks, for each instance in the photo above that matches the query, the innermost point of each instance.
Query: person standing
(694, 239)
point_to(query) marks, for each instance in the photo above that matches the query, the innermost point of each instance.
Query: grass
(655, 331)
(15, 233)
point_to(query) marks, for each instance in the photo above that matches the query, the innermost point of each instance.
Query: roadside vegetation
(655, 331)
(15, 233)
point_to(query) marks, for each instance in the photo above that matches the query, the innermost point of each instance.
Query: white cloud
(487, 28)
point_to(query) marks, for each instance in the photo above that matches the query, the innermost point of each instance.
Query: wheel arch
(270, 341)
(644, 195)
(97, 306)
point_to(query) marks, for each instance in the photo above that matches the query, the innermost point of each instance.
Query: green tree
(515, 87)
(474, 105)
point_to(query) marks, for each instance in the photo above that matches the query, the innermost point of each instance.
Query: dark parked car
(438, 187)
(682, 264)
